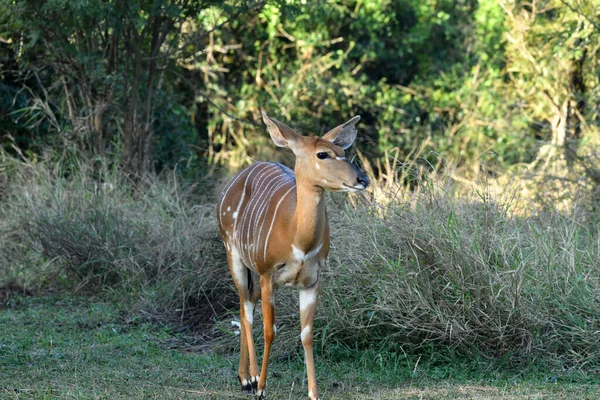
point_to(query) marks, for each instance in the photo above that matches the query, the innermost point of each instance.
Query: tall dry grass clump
(464, 274)
(95, 230)
(429, 273)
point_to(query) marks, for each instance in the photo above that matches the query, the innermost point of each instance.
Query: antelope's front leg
(308, 309)
(268, 310)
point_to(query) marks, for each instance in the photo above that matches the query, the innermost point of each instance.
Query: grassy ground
(63, 347)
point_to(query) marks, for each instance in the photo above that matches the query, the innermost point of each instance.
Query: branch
(580, 13)
(205, 34)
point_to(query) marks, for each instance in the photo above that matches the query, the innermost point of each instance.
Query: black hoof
(260, 395)
(246, 386)
(254, 380)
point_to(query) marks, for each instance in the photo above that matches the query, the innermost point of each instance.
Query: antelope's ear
(343, 135)
(281, 134)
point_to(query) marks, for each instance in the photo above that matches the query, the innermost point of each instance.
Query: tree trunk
(131, 129)
(560, 123)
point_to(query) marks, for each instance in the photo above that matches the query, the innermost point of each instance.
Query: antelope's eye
(322, 155)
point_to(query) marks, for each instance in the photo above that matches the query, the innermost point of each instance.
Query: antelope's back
(248, 206)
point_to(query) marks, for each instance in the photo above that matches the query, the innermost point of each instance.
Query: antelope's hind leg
(249, 296)
(268, 312)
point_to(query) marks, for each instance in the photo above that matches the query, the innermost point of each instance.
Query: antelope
(274, 226)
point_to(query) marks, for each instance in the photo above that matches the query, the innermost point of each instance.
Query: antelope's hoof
(260, 394)
(254, 382)
(246, 385)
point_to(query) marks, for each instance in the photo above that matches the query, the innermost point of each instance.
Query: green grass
(67, 347)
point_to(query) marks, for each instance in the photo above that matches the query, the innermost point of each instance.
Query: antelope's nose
(363, 180)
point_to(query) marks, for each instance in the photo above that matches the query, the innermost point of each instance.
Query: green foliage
(416, 72)
(166, 83)
(103, 71)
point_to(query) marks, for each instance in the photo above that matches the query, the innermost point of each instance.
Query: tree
(553, 62)
(108, 59)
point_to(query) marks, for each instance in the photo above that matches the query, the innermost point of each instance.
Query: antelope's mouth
(356, 188)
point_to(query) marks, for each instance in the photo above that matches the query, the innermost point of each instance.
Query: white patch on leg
(228, 208)
(235, 214)
(307, 329)
(307, 298)
(298, 254)
(238, 270)
(249, 309)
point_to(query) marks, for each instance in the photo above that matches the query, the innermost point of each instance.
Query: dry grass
(465, 275)
(433, 274)
(147, 239)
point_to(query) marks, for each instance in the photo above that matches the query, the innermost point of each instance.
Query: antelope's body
(257, 215)
(275, 229)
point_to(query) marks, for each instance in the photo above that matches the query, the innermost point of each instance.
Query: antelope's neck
(311, 216)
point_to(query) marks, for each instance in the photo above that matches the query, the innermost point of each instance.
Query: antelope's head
(320, 161)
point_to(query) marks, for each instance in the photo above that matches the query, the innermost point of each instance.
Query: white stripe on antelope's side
(263, 213)
(256, 201)
(243, 217)
(271, 191)
(228, 187)
(247, 230)
(236, 213)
